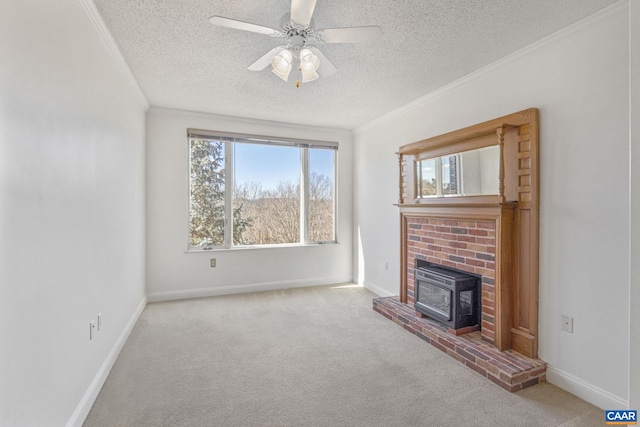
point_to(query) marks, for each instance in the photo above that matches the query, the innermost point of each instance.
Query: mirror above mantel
(486, 173)
(473, 165)
(469, 173)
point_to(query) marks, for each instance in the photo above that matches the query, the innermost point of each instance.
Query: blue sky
(270, 164)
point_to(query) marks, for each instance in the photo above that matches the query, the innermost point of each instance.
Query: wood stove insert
(447, 295)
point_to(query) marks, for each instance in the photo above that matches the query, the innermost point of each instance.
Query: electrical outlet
(213, 262)
(567, 323)
(99, 321)
(92, 328)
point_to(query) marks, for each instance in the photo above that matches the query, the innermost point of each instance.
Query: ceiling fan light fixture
(308, 61)
(309, 76)
(283, 75)
(298, 28)
(281, 64)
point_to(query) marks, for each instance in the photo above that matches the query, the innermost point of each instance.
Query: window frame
(229, 139)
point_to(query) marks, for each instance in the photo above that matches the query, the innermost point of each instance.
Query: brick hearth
(509, 369)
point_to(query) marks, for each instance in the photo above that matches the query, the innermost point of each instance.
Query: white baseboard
(83, 408)
(237, 289)
(578, 387)
(378, 290)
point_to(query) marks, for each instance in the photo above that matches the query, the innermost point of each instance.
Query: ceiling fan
(297, 28)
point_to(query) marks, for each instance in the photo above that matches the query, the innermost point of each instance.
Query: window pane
(266, 200)
(450, 175)
(427, 178)
(207, 181)
(321, 225)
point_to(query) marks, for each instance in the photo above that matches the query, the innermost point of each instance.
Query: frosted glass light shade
(309, 76)
(309, 62)
(281, 64)
(284, 75)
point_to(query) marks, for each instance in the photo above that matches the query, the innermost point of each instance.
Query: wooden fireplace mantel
(514, 211)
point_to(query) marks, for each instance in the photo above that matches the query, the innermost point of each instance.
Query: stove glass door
(435, 298)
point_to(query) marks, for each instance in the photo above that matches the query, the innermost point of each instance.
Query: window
(247, 191)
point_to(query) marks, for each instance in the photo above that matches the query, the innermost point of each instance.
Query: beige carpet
(305, 357)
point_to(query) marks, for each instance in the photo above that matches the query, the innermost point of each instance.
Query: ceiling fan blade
(265, 61)
(245, 26)
(326, 68)
(349, 35)
(301, 11)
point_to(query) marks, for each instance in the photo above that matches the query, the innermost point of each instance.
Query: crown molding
(112, 48)
(598, 17)
(345, 133)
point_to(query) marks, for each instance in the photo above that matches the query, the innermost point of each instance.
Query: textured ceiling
(182, 61)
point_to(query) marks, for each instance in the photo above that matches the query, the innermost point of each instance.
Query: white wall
(174, 273)
(71, 210)
(579, 81)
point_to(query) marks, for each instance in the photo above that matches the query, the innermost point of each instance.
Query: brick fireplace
(461, 244)
(490, 235)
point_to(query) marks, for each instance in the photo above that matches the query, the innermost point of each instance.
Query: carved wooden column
(500, 133)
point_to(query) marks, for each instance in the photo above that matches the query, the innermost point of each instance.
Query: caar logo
(621, 417)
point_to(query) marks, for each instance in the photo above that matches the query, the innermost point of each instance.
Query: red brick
(476, 368)
(486, 272)
(460, 245)
(438, 346)
(486, 241)
(488, 300)
(476, 262)
(466, 253)
(500, 383)
(531, 382)
(514, 379)
(450, 251)
(456, 356)
(465, 354)
(488, 367)
(409, 328)
(468, 224)
(476, 247)
(442, 229)
(449, 264)
(487, 224)
(446, 343)
(478, 232)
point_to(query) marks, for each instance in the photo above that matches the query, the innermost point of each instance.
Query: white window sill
(255, 247)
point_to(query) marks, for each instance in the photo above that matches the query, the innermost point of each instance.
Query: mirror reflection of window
(470, 173)
(450, 175)
(427, 178)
